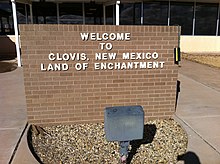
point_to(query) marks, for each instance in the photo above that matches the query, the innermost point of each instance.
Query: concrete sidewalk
(12, 112)
(198, 110)
(203, 74)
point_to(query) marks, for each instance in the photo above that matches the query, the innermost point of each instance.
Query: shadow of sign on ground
(189, 158)
(149, 133)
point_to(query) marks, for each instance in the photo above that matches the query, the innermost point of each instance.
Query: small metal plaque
(124, 123)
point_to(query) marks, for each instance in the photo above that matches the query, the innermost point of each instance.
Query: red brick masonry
(72, 96)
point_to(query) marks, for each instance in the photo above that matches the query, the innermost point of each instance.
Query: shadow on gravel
(149, 133)
(189, 158)
(30, 145)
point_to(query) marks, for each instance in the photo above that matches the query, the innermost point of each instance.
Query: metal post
(117, 13)
(84, 15)
(104, 15)
(26, 15)
(179, 34)
(124, 151)
(168, 21)
(31, 13)
(142, 13)
(217, 26)
(194, 19)
(17, 44)
(58, 14)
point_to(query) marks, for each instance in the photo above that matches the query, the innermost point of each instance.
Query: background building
(199, 19)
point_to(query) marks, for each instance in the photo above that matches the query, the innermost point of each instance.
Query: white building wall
(200, 44)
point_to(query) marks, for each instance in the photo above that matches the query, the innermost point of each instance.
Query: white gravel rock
(163, 141)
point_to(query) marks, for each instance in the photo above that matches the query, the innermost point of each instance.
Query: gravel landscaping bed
(163, 142)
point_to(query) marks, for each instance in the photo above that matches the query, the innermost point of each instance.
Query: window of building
(206, 19)
(156, 13)
(110, 15)
(93, 13)
(44, 13)
(23, 12)
(182, 14)
(6, 19)
(130, 14)
(71, 13)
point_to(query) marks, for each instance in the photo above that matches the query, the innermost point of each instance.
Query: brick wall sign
(72, 72)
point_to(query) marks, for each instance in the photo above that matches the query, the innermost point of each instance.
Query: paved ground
(12, 112)
(201, 73)
(198, 111)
